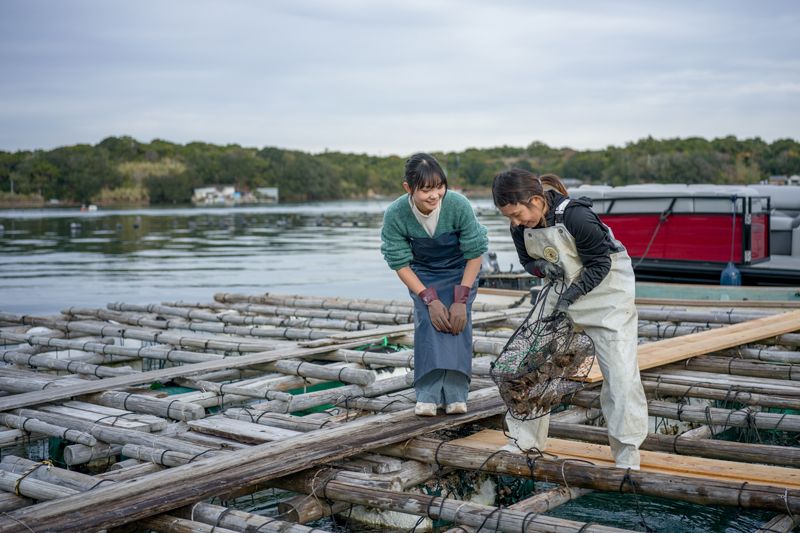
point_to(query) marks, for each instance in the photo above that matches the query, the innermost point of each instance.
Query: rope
(28, 472)
(220, 516)
(26, 526)
(627, 478)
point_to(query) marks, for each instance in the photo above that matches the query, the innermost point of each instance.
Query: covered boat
(689, 233)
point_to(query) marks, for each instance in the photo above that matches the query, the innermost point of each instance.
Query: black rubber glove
(545, 269)
(567, 298)
(440, 318)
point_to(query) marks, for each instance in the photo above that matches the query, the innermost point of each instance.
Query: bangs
(429, 179)
(424, 172)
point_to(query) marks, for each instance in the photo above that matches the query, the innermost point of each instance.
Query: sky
(395, 77)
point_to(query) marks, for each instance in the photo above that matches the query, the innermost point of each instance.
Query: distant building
(227, 195)
(783, 180)
(215, 195)
(266, 195)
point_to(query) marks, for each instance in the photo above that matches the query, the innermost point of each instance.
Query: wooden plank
(663, 463)
(154, 422)
(679, 348)
(97, 418)
(240, 431)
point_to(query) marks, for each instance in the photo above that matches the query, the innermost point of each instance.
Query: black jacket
(592, 239)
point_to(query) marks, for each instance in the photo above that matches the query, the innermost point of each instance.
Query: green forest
(124, 171)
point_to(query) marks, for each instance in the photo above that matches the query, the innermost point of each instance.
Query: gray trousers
(442, 387)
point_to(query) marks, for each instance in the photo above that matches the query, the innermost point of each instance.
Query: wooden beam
(679, 348)
(663, 463)
(207, 477)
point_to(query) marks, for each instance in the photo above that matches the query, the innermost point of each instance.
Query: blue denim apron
(439, 263)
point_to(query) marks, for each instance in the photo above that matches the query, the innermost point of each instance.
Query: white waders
(608, 315)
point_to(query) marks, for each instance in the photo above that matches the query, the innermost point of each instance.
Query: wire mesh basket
(544, 360)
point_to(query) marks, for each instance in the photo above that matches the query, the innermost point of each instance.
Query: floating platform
(162, 417)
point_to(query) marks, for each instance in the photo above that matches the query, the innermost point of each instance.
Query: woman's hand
(458, 317)
(547, 269)
(440, 318)
(458, 311)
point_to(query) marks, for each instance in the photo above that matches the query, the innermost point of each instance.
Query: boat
(690, 233)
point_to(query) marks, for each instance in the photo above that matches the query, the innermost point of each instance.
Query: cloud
(393, 77)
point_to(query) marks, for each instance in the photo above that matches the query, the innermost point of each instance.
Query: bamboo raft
(162, 417)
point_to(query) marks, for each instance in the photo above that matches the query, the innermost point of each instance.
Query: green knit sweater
(456, 214)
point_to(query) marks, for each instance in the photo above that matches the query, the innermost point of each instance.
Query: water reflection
(51, 259)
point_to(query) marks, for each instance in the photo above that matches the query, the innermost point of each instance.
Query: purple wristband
(461, 294)
(428, 295)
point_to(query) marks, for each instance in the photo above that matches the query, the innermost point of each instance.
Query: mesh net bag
(544, 360)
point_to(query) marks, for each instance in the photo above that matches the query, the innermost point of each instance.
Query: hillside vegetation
(121, 170)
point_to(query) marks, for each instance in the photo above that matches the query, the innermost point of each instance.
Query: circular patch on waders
(551, 254)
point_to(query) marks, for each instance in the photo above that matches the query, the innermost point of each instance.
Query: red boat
(689, 233)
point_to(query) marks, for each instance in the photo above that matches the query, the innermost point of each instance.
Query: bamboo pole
(164, 407)
(296, 300)
(708, 415)
(42, 490)
(684, 445)
(237, 319)
(173, 524)
(32, 425)
(11, 437)
(312, 314)
(10, 501)
(304, 509)
(725, 382)
(659, 390)
(75, 367)
(106, 433)
(739, 367)
(152, 352)
(763, 354)
(206, 327)
(666, 331)
(541, 502)
(379, 306)
(80, 454)
(711, 316)
(780, 524)
(579, 474)
(245, 522)
(339, 395)
(103, 329)
(460, 512)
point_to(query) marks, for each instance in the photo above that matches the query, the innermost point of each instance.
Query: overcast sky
(393, 77)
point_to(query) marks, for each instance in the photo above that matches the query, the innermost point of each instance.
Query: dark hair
(518, 186)
(423, 171)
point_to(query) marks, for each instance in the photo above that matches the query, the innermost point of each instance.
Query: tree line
(122, 170)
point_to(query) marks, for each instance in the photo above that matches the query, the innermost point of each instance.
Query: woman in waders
(559, 237)
(432, 239)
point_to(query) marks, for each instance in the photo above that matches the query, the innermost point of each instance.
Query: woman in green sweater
(432, 239)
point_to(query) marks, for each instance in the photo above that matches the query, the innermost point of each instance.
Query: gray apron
(439, 263)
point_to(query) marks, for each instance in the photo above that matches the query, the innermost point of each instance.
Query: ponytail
(518, 186)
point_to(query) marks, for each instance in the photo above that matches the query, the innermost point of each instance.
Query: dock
(161, 417)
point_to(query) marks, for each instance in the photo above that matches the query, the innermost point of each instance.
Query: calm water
(53, 259)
